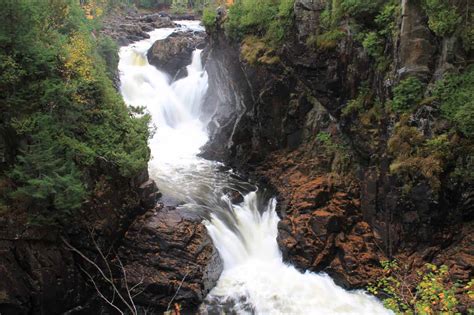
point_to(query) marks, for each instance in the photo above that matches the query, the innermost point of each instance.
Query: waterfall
(255, 278)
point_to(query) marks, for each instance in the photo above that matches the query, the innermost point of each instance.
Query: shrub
(456, 95)
(108, 50)
(209, 17)
(430, 291)
(327, 40)
(254, 50)
(443, 18)
(407, 94)
(357, 104)
(63, 115)
(387, 19)
(269, 19)
(373, 44)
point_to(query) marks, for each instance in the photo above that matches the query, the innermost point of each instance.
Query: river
(255, 279)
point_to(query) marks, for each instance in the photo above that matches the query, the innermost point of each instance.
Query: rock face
(130, 26)
(169, 254)
(40, 275)
(174, 53)
(341, 208)
(416, 48)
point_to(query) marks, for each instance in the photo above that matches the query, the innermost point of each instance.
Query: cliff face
(316, 123)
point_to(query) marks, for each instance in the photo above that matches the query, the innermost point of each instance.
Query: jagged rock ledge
(168, 253)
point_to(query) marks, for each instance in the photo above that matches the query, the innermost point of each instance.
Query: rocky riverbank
(281, 114)
(162, 252)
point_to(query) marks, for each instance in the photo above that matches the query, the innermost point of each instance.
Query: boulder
(168, 253)
(174, 53)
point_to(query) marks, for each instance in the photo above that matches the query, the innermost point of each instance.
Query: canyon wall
(315, 122)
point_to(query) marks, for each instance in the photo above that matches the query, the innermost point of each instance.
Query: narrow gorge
(237, 157)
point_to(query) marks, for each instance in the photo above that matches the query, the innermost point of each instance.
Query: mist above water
(255, 279)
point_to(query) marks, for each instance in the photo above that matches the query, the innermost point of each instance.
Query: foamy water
(255, 279)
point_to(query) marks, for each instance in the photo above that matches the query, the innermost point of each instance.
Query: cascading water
(255, 279)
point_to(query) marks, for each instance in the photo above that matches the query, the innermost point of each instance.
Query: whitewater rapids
(255, 280)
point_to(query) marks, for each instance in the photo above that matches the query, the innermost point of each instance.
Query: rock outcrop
(130, 26)
(169, 255)
(342, 208)
(174, 53)
(38, 269)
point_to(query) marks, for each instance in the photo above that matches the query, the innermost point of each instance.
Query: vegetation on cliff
(396, 80)
(62, 122)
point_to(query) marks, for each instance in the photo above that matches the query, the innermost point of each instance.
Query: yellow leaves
(94, 8)
(78, 60)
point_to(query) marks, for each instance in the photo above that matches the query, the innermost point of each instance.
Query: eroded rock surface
(167, 251)
(130, 26)
(174, 53)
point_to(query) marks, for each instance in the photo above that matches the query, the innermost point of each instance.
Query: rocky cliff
(316, 116)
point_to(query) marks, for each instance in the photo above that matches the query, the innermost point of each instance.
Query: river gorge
(254, 279)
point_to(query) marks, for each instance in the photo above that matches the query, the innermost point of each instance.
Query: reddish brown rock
(167, 251)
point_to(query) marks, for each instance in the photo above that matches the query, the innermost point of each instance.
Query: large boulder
(168, 253)
(174, 53)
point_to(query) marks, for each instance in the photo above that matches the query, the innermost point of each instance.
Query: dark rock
(174, 53)
(416, 48)
(167, 249)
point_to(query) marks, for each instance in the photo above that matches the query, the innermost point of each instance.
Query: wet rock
(128, 27)
(307, 16)
(167, 251)
(416, 48)
(36, 272)
(174, 53)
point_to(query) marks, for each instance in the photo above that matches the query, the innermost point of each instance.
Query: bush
(108, 50)
(455, 93)
(63, 115)
(269, 19)
(373, 44)
(430, 291)
(443, 18)
(327, 40)
(407, 94)
(209, 17)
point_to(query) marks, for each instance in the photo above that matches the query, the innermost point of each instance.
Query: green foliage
(430, 291)
(467, 34)
(373, 44)
(359, 8)
(60, 109)
(254, 50)
(269, 19)
(417, 158)
(209, 17)
(357, 104)
(108, 49)
(386, 20)
(443, 18)
(456, 95)
(45, 173)
(336, 148)
(407, 94)
(327, 40)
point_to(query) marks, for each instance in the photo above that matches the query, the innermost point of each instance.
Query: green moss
(327, 40)
(268, 19)
(254, 50)
(356, 105)
(407, 94)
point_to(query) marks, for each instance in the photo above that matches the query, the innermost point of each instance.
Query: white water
(255, 279)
